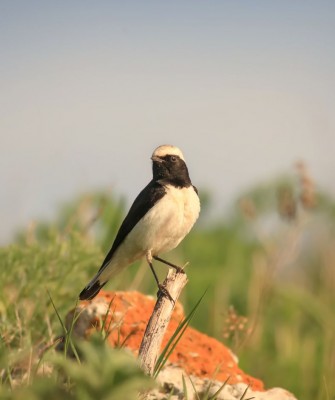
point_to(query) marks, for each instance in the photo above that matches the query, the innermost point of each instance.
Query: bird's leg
(178, 269)
(149, 259)
(161, 287)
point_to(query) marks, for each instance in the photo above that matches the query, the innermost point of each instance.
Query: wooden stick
(159, 320)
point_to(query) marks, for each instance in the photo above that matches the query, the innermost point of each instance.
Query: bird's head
(168, 164)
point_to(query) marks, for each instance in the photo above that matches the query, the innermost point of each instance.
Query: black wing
(142, 204)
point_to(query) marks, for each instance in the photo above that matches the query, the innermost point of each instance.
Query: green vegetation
(269, 270)
(55, 260)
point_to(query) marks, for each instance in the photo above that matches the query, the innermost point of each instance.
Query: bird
(160, 217)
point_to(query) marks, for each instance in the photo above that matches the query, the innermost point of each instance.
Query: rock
(204, 362)
(171, 379)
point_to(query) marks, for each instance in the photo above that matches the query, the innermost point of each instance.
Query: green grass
(277, 272)
(40, 280)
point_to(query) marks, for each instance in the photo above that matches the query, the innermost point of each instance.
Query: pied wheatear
(159, 219)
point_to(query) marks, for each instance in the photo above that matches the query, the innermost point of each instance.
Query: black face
(172, 169)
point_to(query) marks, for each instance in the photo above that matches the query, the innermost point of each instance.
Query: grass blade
(177, 335)
(67, 333)
(219, 390)
(195, 390)
(244, 393)
(184, 387)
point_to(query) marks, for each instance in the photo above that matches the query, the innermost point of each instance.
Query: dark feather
(89, 292)
(147, 198)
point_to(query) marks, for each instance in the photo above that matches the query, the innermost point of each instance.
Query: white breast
(168, 221)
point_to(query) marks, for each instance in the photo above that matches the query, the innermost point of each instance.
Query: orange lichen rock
(196, 353)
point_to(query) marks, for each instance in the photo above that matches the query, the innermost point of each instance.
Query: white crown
(167, 149)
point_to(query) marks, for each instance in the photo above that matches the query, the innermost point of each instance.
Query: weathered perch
(159, 320)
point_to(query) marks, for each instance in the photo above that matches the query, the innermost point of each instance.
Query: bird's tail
(92, 289)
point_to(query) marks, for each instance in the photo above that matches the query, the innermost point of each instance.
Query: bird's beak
(158, 159)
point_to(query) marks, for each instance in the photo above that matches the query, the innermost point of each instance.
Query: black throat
(175, 174)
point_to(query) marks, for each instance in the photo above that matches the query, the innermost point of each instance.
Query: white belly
(163, 227)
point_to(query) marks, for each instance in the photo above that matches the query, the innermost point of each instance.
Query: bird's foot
(162, 290)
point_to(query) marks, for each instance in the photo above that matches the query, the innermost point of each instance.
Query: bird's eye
(173, 158)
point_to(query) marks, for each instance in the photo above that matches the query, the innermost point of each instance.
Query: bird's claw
(179, 270)
(162, 290)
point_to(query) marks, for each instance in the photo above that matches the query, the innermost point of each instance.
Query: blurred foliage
(102, 373)
(97, 216)
(57, 258)
(271, 261)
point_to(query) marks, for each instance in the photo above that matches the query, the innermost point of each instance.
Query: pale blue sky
(89, 89)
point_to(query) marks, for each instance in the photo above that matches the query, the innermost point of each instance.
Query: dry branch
(159, 320)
